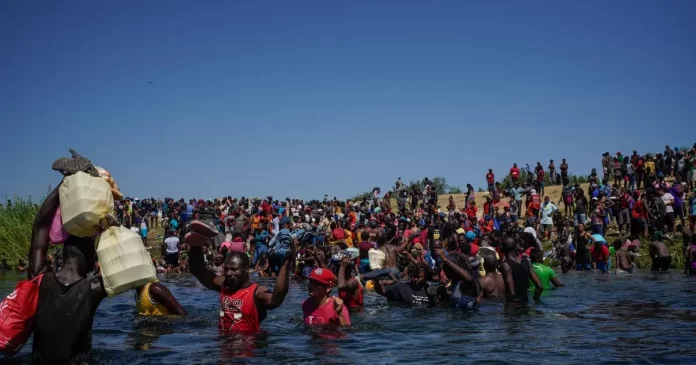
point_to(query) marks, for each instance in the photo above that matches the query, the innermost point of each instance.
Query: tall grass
(675, 249)
(15, 229)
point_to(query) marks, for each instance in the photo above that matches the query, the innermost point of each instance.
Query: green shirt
(545, 274)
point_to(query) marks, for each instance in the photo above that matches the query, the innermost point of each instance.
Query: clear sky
(303, 98)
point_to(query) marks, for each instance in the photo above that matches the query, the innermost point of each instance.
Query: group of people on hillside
(416, 253)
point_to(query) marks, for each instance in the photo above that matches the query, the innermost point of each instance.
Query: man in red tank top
(243, 304)
(349, 288)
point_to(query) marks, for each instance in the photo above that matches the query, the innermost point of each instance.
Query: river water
(596, 319)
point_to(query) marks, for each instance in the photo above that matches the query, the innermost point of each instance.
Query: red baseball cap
(323, 276)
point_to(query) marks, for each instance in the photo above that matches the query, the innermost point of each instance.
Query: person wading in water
(154, 299)
(517, 272)
(243, 304)
(68, 298)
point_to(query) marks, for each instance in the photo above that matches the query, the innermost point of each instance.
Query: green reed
(15, 229)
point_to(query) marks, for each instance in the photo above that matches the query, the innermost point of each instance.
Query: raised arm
(273, 299)
(460, 271)
(162, 295)
(344, 284)
(198, 269)
(39, 234)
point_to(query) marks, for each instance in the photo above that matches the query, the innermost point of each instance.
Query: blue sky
(303, 98)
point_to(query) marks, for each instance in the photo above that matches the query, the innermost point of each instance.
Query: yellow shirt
(146, 306)
(650, 165)
(349, 238)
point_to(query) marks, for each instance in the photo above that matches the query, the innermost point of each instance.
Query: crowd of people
(417, 252)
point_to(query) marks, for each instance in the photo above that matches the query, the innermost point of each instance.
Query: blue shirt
(517, 192)
(174, 224)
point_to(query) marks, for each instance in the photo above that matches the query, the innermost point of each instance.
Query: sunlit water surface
(596, 319)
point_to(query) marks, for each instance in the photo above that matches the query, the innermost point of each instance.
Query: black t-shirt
(403, 293)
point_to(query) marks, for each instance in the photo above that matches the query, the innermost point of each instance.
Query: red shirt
(599, 255)
(490, 177)
(471, 211)
(474, 249)
(424, 237)
(515, 172)
(265, 207)
(364, 248)
(350, 299)
(326, 314)
(639, 210)
(238, 311)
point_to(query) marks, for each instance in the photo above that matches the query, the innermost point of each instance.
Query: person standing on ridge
(490, 179)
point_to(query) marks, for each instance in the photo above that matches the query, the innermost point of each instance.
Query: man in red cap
(321, 308)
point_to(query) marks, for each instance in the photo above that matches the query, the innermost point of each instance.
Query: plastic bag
(17, 313)
(376, 258)
(85, 201)
(57, 234)
(124, 261)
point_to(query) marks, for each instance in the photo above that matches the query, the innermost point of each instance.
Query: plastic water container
(377, 258)
(124, 261)
(85, 201)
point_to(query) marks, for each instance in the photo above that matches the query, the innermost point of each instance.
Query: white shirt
(172, 244)
(667, 197)
(546, 211)
(276, 225)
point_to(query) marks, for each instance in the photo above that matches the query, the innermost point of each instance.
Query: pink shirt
(322, 315)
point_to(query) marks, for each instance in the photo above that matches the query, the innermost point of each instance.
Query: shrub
(15, 229)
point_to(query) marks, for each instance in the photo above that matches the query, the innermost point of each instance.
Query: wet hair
(80, 248)
(457, 259)
(509, 244)
(490, 262)
(617, 244)
(528, 239)
(414, 271)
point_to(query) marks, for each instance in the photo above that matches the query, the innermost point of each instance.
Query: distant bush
(16, 223)
(363, 196)
(454, 190)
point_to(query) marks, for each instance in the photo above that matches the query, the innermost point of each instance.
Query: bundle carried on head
(86, 196)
